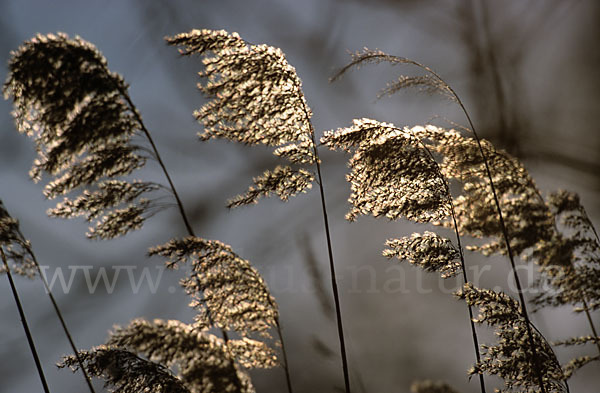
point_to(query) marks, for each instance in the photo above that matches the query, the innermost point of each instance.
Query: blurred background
(527, 71)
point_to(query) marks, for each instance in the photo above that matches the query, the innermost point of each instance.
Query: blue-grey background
(527, 71)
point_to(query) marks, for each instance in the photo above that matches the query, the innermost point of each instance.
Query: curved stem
(288, 379)
(186, 222)
(504, 234)
(462, 262)
(470, 308)
(189, 227)
(586, 308)
(88, 380)
(60, 316)
(585, 305)
(336, 296)
(592, 326)
(572, 265)
(159, 159)
(380, 56)
(34, 353)
(334, 287)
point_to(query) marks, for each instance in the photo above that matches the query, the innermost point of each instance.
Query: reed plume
(465, 160)
(510, 358)
(255, 97)
(393, 174)
(75, 109)
(126, 372)
(90, 138)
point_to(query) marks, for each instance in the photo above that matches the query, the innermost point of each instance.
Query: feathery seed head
(511, 358)
(224, 287)
(205, 363)
(81, 120)
(255, 97)
(428, 251)
(255, 94)
(392, 173)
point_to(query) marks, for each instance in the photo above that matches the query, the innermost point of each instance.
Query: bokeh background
(527, 71)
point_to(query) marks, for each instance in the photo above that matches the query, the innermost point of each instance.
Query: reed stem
(288, 378)
(462, 263)
(336, 296)
(34, 353)
(524, 312)
(87, 378)
(334, 286)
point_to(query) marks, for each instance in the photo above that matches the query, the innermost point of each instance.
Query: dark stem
(60, 316)
(288, 379)
(505, 236)
(334, 287)
(583, 300)
(379, 56)
(159, 159)
(470, 308)
(572, 266)
(36, 358)
(69, 338)
(190, 231)
(286, 366)
(556, 362)
(336, 296)
(587, 312)
(462, 263)
(591, 225)
(187, 223)
(589, 318)
(585, 305)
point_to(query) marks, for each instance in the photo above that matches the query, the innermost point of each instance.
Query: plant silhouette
(90, 140)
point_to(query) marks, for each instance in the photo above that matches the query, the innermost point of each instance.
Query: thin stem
(334, 287)
(380, 56)
(286, 366)
(159, 160)
(336, 296)
(556, 363)
(589, 317)
(583, 300)
(587, 312)
(470, 308)
(36, 358)
(572, 266)
(462, 262)
(504, 234)
(69, 338)
(592, 227)
(187, 223)
(188, 226)
(60, 316)
(585, 304)
(288, 379)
